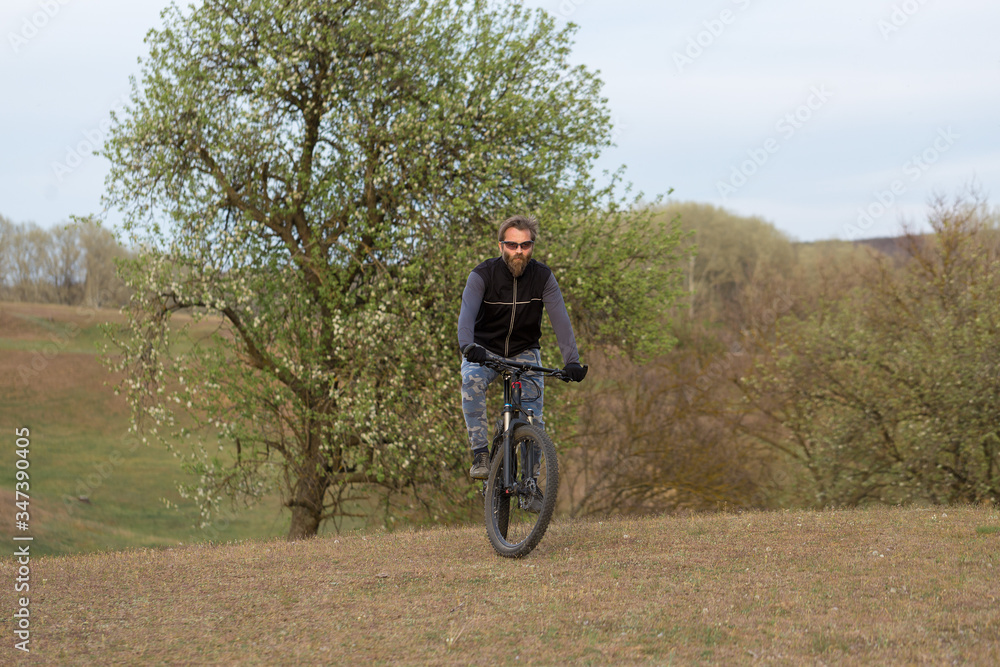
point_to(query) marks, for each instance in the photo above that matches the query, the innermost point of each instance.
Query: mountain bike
(520, 491)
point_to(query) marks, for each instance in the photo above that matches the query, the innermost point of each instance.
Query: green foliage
(730, 253)
(619, 267)
(320, 177)
(889, 394)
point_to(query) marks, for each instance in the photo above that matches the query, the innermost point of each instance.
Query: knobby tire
(512, 530)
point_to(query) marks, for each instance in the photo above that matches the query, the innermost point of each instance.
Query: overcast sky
(830, 119)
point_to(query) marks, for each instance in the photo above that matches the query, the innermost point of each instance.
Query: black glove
(575, 372)
(477, 354)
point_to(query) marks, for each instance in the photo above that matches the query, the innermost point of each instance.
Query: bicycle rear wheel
(516, 520)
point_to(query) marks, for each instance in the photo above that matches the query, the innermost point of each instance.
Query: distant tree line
(72, 264)
(885, 390)
(808, 374)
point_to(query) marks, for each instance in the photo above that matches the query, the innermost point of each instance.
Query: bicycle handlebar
(499, 363)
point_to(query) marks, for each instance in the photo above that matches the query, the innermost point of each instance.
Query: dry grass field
(874, 586)
(118, 578)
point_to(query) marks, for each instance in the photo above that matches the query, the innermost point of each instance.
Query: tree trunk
(307, 502)
(305, 523)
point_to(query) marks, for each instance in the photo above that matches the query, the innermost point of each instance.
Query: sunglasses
(513, 245)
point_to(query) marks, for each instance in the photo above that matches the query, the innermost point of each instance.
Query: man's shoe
(480, 466)
(535, 504)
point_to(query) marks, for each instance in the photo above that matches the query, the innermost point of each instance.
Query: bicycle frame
(511, 374)
(511, 409)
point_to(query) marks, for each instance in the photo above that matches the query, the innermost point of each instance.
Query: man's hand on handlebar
(477, 354)
(574, 372)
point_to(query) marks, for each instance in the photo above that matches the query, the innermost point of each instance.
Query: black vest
(510, 318)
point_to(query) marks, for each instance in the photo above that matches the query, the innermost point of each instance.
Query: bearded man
(502, 313)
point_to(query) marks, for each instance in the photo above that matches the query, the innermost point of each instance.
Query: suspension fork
(511, 398)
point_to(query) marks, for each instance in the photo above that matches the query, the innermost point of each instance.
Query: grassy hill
(877, 586)
(117, 577)
(92, 488)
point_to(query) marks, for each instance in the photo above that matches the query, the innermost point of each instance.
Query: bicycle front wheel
(517, 518)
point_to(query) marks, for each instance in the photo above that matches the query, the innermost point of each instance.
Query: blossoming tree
(318, 177)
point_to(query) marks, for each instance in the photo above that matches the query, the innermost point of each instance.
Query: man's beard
(516, 263)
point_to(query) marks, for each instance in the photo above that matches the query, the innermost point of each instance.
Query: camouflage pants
(475, 380)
